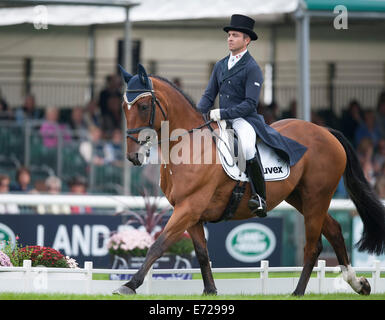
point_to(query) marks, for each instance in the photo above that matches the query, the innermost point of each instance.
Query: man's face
(237, 41)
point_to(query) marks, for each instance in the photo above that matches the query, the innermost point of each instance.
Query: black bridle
(154, 102)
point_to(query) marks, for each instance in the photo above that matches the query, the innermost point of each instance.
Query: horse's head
(143, 114)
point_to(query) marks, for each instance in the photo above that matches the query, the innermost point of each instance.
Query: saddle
(275, 168)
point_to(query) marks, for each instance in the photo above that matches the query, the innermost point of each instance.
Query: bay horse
(199, 192)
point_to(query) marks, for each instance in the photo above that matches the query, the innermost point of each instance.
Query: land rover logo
(6, 234)
(250, 242)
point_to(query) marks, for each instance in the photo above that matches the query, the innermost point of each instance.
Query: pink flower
(4, 260)
(128, 240)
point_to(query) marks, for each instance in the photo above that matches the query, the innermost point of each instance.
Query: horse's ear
(126, 76)
(143, 76)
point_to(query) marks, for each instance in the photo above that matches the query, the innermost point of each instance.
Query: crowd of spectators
(96, 128)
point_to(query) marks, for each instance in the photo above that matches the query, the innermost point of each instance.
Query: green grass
(33, 296)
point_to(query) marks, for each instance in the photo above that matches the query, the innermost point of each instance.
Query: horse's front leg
(198, 237)
(181, 219)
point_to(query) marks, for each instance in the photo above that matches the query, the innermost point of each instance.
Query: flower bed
(39, 255)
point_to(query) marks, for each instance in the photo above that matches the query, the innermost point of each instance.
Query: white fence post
(264, 275)
(376, 275)
(27, 275)
(321, 276)
(88, 266)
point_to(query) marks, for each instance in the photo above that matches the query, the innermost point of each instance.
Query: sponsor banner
(84, 238)
(245, 243)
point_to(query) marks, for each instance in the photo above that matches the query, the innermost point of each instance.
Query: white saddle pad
(275, 168)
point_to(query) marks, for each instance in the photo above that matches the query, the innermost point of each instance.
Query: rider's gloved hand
(215, 114)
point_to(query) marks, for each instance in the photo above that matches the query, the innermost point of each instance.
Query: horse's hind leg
(332, 231)
(198, 237)
(314, 213)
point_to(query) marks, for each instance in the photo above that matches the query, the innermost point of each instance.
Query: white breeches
(247, 136)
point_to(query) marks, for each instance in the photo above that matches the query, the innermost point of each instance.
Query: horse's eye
(143, 107)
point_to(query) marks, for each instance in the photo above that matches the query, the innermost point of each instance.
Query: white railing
(80, 280)
(121, 202)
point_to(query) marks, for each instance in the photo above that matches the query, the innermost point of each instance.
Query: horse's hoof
(297, 294)
(210, 292)
(365, 289)
(123, 291)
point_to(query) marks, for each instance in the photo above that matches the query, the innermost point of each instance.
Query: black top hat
(243, 24)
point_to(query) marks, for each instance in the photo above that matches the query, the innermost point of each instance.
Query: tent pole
(303, 102)
(128, 67)
(303, 65)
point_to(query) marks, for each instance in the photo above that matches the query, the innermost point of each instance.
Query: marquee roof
(88, 12)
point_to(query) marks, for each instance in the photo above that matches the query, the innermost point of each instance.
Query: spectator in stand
(177, 82)
(5, 112)
(92, 115)
(4, 188)
(78, 124)
(380, 187)
(113, 149)
(380, 115)
(379, 157)
(292, 112)
(113, 86)
(270, 113)
(23, 181)
(53, 185)
(317, 119)
(4, 183)
(351, 120)
(78, 186)
(365, 153)
(113, 117)
(93, 149)
(368, 129)
(28, 110)
(51, 129)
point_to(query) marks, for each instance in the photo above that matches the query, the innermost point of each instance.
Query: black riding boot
(257, 202)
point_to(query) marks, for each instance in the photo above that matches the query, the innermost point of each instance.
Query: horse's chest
(165, 182)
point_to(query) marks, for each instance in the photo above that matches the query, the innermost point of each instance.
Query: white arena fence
(64, 280)
(29, 279)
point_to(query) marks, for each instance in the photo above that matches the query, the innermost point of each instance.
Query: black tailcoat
(239, 90)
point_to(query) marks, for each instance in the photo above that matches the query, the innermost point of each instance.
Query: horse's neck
(182, 115)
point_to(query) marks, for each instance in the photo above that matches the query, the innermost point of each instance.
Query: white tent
(151, 10)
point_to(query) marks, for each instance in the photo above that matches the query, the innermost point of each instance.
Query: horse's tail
(368, 205)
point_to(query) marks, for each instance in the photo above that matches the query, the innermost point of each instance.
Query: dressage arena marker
(79, 281)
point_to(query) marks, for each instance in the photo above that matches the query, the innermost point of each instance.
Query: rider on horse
(238, 80)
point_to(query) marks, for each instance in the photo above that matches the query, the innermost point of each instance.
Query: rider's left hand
(215, 114)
